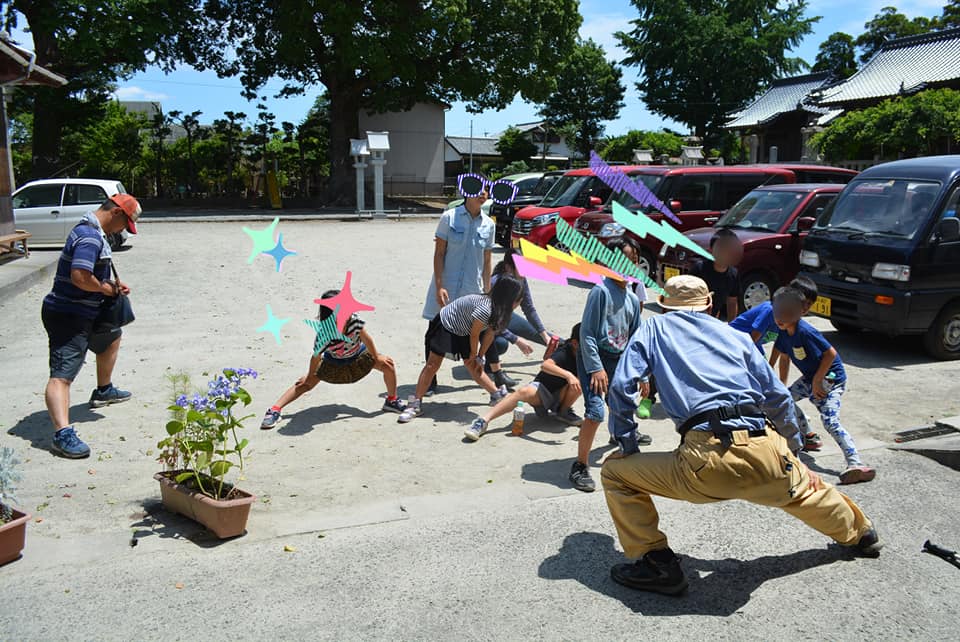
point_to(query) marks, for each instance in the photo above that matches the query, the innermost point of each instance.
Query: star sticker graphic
(279, 252)
(262, 239)
(326, 331)
(344, 303)
(273, 325)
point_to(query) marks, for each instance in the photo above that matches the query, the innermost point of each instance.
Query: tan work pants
(761, 470)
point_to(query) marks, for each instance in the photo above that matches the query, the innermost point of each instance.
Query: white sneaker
(499, 394)
(476, 429)
(413, 409)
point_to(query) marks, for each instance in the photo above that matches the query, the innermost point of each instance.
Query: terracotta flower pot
(13, 534)
(223, 517)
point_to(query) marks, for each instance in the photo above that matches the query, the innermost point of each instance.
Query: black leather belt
(716, 416)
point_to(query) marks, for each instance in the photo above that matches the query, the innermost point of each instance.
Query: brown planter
(13, 534)
(223, 517)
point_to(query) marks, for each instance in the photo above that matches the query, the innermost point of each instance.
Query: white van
(50, 208)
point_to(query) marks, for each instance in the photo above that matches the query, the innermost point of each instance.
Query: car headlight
(891, 272)
(611, 229)
(544, 219)
(810, 259)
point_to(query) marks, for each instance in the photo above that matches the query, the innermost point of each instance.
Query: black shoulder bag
(115, 311)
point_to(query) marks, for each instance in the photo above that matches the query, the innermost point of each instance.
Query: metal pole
(471, 145)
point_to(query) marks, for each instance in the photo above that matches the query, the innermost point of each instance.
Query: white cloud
(134, 93)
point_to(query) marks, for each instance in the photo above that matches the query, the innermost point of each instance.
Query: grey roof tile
(784, 96)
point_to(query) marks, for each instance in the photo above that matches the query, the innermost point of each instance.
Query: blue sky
(187, 89)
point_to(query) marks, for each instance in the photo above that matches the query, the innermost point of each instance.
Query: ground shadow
(304, 421)
(716, 587)
(37, 429)
(534, 424)
(874, 350)
(812, 464)
(155, 520)
(557, 471)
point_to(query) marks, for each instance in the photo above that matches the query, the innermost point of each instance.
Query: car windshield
(526, 186)
(564, 192)
(891, 208)
(762, 210)
(650, 181)
(544, 185)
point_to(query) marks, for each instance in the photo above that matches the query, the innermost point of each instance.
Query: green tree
(515, 146)
(93, 44)
(589, 91)
(838, 55)
(111, 146)
(887, 25)
(159, 130)
(950, 17)
(191, 127)
(229, 129)
(620, 148)
(384, 55)
(701, 59)
(919, 125)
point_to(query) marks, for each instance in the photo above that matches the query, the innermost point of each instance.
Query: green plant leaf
(173, 427)
(201, 460)
(220, 467)
(193, 415)
(243, 444)
(243, 396)
(182, 477)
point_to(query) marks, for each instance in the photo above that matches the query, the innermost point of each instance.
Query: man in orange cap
(70, 311)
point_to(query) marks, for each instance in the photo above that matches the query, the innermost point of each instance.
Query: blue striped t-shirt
(86, 249)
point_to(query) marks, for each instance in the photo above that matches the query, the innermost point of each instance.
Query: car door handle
(711, 219)
(55, 212)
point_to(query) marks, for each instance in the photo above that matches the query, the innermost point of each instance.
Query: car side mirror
(805, 223)
(595, 201)
(676, 206)
(948, 230)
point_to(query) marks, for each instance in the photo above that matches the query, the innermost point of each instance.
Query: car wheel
(648, 264)
(115, 241)
(942, 339)
(555, 242)
(757, 288)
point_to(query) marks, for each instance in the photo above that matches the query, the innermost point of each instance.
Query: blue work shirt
(468, 239)
(700, 363)
(758, 319)
(805, 347)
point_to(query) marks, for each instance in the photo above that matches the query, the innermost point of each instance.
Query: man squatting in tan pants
(735, 418)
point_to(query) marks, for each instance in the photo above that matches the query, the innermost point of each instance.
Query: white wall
(415, 160)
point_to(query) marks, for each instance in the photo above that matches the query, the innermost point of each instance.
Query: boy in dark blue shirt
(823, 378)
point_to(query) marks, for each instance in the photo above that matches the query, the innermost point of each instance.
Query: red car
(571, 195)
(699, 195)
(771, 222)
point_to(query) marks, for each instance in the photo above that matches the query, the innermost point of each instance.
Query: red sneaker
(812, 442)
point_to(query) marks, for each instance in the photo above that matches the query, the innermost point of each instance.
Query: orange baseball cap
(130, 207)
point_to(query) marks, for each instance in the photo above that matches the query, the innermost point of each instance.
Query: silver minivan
(50, 208)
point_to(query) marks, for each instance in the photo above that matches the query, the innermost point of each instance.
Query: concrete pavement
(425, 536)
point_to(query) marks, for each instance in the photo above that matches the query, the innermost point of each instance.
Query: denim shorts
(594, 404)
(70, 337)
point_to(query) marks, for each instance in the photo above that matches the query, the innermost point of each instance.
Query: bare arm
(368, 342)
(825, 362)
(439, 255)
(775, 356)
(733, 307)
(475, 345)
(485, 342)
(550, 367)
(87, 282)
(487, 269)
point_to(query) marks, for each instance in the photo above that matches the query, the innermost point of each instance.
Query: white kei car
(49, 208)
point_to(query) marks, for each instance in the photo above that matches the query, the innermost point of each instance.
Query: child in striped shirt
(464, 329)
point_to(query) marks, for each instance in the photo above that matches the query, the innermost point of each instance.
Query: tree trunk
(344, 125)
(47, 126)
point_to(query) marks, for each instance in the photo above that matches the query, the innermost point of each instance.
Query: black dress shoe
(657, 571)
(869, 544)
(501, 378)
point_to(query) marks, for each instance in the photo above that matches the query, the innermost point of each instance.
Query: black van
(886, 253)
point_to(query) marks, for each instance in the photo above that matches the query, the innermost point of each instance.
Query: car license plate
(821, 306)
(515, 243)
(669, 273)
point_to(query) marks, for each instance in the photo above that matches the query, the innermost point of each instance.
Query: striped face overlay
(500, 191)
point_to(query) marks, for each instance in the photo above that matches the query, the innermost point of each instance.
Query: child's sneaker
(270, 419)
(67, 444)
(569, 417)
(812, 442)
(394, 405)
(857, 474)
(643, 409)
(477, 428)
(413, 409)
(498, 395)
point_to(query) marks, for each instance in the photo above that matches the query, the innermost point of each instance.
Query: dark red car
(699, 195)
(771, 222)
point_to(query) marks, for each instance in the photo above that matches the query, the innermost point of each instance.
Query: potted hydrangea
(201, 448)
(13, 523)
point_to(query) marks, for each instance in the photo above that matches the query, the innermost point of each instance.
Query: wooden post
(7, 225)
